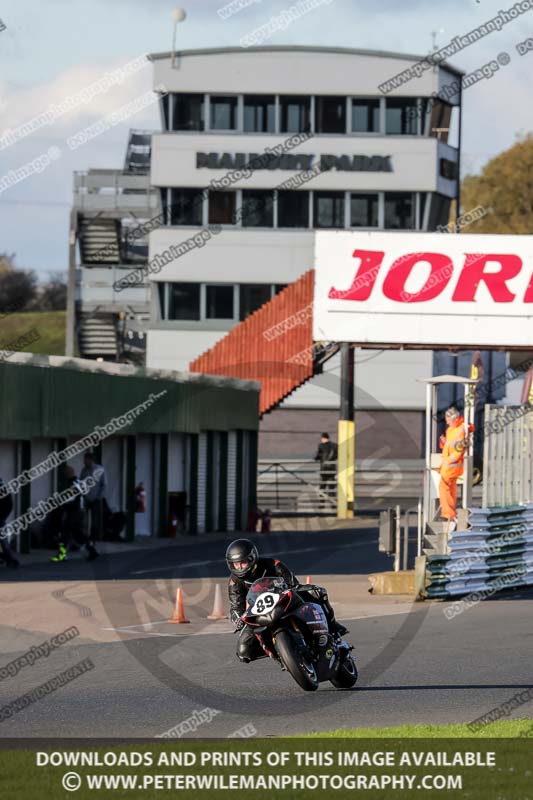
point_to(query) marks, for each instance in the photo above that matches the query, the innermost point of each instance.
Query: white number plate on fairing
(265, 603)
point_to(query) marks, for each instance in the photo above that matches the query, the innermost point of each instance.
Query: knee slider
(242, 652)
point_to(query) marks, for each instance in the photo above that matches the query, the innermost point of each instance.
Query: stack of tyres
(495, 553)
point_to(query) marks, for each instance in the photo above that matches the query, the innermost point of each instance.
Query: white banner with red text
(426, 289)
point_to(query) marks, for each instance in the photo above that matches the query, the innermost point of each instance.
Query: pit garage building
(194, 447)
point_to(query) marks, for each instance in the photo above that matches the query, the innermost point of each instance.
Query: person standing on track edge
(454, 443)
(327, 455)
(246, 567)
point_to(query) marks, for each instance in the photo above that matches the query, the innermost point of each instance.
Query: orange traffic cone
(308, 579)
(218, 609)
(179, 615)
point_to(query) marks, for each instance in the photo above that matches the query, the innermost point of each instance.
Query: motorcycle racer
(247, 566)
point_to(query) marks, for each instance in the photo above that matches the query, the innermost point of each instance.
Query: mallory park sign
(293, 161)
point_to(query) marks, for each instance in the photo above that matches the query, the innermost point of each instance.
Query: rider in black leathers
(246, 566)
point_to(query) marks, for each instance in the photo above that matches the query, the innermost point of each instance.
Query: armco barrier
(495, 553)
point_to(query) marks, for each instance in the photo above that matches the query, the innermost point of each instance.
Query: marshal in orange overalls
(453, 444)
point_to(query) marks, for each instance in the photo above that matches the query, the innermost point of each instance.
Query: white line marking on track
(138, 625)
(214, 629)
(148, 633)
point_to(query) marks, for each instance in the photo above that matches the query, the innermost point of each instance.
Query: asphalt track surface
(416, 666)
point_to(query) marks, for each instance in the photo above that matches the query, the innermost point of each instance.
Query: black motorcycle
(295, 633)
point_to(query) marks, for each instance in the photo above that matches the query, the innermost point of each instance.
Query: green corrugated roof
(53, 396)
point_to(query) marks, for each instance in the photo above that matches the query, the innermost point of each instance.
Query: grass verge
(495, 730)
(49, 325)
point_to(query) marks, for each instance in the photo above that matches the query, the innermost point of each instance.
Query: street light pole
(178, 15)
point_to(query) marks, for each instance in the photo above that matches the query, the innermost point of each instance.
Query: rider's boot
(339, 629)
(61, 554)
(335, 627)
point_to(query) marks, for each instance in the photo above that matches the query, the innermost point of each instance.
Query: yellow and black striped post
(346, 436)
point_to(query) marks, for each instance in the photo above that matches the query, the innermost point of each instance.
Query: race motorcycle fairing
(295, 633)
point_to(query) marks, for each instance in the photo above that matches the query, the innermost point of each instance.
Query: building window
(252, 297)
(439, 211)
(223, 113)
(364, 211)
(259, 113)
(330, 115)
(440, 115)
(164, 101)
(295, 114)
(161, 297)
(184, 301)
(399, 210)
(188, 112)
(293, 209)
(401, 116)
(365, 116)
(422, 210)
(219, 302)
(164, 195)
(329, 210)
(222, 208)
(448, 169)
(199, 302)
(257, 208)
(186, 206)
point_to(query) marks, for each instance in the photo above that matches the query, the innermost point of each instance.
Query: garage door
(42, 487)
(176, 462)
(202, 481)
(112, 460)
(8, 465)
(144, 472)
(232, 479)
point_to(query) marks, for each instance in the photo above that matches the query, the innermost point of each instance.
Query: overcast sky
(50, 50)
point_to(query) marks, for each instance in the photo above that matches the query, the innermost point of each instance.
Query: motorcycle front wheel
(346, 674)
(303, 672)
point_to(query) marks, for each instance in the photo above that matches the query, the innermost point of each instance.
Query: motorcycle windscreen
(264, 594)
(313, 615)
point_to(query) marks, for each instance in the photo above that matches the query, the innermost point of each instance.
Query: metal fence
(508, 455)
(294, 485)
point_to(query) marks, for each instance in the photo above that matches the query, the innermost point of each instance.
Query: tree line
(21, 290)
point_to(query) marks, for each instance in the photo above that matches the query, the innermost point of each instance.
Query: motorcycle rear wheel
(346, 674)
(302, 671)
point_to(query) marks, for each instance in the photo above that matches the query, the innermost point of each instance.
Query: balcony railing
(95, 287)
(112, 190)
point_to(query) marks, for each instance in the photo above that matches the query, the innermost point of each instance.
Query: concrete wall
(384, 379)
(243, 256)
(296, 69)
(379, 435)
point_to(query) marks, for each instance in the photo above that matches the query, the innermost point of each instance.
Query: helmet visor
(240, 564)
